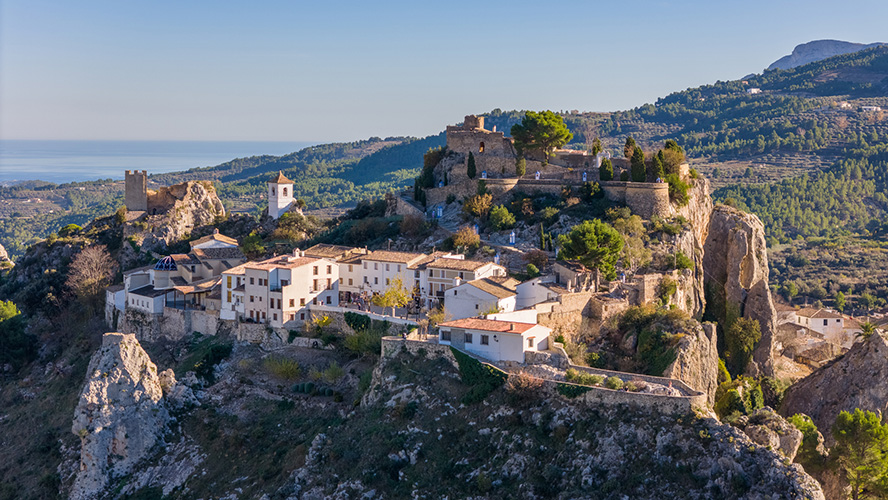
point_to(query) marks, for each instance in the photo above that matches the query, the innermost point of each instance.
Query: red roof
(280, 179)
(489, 325)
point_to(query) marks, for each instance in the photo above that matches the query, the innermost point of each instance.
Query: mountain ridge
(818, 50)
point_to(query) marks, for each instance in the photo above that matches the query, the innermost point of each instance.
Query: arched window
(271, 191)
(285, 191)
(481, 147)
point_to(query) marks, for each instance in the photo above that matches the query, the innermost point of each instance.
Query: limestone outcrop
(120, 416)
(178, 210)
(735, 260)
(855, 380)
(696, 361)
(767, 428)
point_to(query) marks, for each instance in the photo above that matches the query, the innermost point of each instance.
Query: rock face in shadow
(696, 361)
(855, 380)
(120, 416)
(735, 262)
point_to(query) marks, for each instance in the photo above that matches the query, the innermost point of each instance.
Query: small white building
(494, 340)
(753, 90)
(483, 296)
(447, 271)
(280, 196)
(535, 291)
(834, 327)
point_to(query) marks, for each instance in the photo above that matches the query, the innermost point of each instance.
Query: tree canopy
(544, 132)
(861, 452)
(595, 244)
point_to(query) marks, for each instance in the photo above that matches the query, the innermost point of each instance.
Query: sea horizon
(61, 161)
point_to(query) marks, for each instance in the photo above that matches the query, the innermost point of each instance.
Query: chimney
(511, 326)
(457, 282)
(494, 128)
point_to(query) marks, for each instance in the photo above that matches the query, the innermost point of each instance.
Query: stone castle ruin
(495, 159)
(138, 198)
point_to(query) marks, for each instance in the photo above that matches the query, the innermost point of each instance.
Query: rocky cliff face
(182, 208)
(855, 380)
(735, 260)
(817, 51)
(120, 416)
(696, 361)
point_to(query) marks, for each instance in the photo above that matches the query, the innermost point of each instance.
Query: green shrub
(68, 230)
(520, 167)
(624, 176)
(333, 373)
(678, 189)
(357, 321)
(284, 368)
(482, 378)
(501, 218)
(808, 455)
(682, 261)
(723, 374)
(532, 271)
(204, 368)
(729, 403)
(571, 391)
(614, 383)
(582, 378)
(292, 336)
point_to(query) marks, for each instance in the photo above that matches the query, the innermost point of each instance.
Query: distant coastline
(77, 161)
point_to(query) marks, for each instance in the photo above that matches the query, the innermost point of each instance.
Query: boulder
(120, 415)
(696, 361)
(854, 380)
(767, 428)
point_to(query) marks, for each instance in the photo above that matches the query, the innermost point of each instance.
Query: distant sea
(70, 161)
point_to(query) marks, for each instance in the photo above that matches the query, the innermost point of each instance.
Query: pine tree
(471, 170)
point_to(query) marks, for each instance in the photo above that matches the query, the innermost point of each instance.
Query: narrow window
(375, 281)
(329, 300)
(329, 269)
(251, 281)
(481, 147)
(302, 302)
(485, 340)
(468, 338)
(292, 302)
(350, 282)
(529, 342)
(386, 267)
(315, 270)
(285, 191)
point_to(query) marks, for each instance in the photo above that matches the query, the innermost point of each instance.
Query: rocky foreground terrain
(246, 436)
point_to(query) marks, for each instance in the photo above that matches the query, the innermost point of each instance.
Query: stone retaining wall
(595, 396)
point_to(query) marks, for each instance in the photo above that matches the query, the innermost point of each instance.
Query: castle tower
(280, 195)
(136, 190)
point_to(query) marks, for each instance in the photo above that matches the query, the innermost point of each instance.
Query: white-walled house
(482, 296)
(834, 327)
(279, 290)
(494, 340)
(380, 267)
(445, 272)
(535, 291)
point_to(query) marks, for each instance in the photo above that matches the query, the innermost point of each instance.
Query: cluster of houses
(813, 336)
(281, 291)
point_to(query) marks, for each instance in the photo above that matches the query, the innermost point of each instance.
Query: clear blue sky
(339, 70)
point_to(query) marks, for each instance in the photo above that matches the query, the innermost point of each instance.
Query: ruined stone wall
(645, 199)
(396, 205)
(466, 141)
(603, 307)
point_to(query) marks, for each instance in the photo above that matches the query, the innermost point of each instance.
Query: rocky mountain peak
(818, 50)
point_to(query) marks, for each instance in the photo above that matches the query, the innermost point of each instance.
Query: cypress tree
(521, 167)
(606, 170)
(655, 170)
(637, 164)
(629, 147)
(471, 166)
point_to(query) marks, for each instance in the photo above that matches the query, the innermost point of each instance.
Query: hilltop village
(575, 278)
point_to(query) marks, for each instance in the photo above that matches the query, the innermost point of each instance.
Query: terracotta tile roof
(426, 259)
(198, 286)
(498, 288)
(184, 259)
(456, 264)
(397, 257)
(239, 269)
(280, 179)
(810, 312)
(489, 325)
(216, 236)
